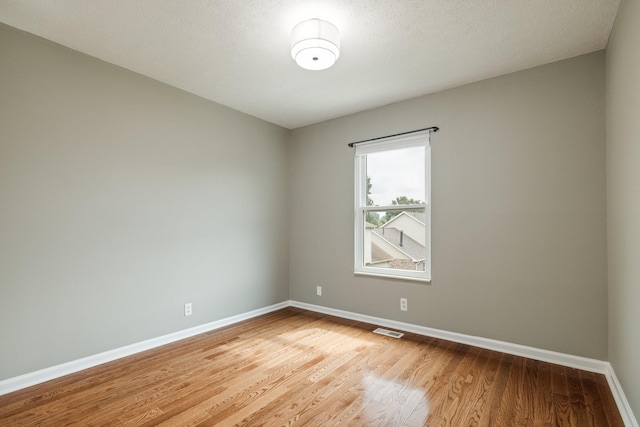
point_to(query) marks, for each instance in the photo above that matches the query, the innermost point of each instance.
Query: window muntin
(393, 208)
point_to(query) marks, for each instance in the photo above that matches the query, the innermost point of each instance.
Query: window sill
(393, 276)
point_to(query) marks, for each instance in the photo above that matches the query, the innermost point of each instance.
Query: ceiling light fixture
(315, 44)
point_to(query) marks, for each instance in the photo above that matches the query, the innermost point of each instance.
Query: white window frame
(417, 139)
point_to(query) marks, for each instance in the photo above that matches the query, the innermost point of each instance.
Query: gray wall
(519, 246)
(121, 199)
(623, 199)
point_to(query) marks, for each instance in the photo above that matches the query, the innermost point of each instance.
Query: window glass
(396, 174)
(393, 209)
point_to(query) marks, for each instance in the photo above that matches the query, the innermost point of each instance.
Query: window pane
(395, 239)
(391, 239)
(397, 175)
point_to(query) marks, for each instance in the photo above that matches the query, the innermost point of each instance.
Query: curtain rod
(432, 129)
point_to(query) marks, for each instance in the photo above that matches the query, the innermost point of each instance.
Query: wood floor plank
(543, 403)
(295, 367)
(526, 409)
(593, 401)
(452, 409)
(565, 414)
(576, 397)
(490, 414)
(613, 417)
(439, 392)
(478, 396)
(511, 403)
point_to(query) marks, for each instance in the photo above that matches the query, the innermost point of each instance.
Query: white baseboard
(591, 365)
(583, 363)
(621, 400)
(27, 380)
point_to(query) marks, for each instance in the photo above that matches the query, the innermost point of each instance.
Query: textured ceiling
(236, 52)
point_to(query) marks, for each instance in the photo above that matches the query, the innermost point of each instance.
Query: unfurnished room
(319, 213)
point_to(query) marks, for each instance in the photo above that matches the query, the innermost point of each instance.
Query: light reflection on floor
(411, 402)
(379, 393)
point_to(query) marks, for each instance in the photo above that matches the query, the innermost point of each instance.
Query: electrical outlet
(188, 309)
(319, 291)
(403, 304)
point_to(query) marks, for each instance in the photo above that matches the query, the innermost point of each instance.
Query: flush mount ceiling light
(315, 44)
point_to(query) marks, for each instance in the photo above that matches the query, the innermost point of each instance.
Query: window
(392, 207)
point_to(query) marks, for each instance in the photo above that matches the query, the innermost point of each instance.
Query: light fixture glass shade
(315, 44)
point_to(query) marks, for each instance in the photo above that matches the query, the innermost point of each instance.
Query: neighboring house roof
(417, 216)
(409, 246)
(378, 254)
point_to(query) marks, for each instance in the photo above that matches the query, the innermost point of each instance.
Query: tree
(401, 200)
(372, 217)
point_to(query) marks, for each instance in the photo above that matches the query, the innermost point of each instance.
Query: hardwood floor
(294, 367)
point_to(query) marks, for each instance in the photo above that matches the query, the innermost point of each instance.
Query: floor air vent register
(388, 333)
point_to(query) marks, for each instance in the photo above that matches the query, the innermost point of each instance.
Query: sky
(396, 173)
